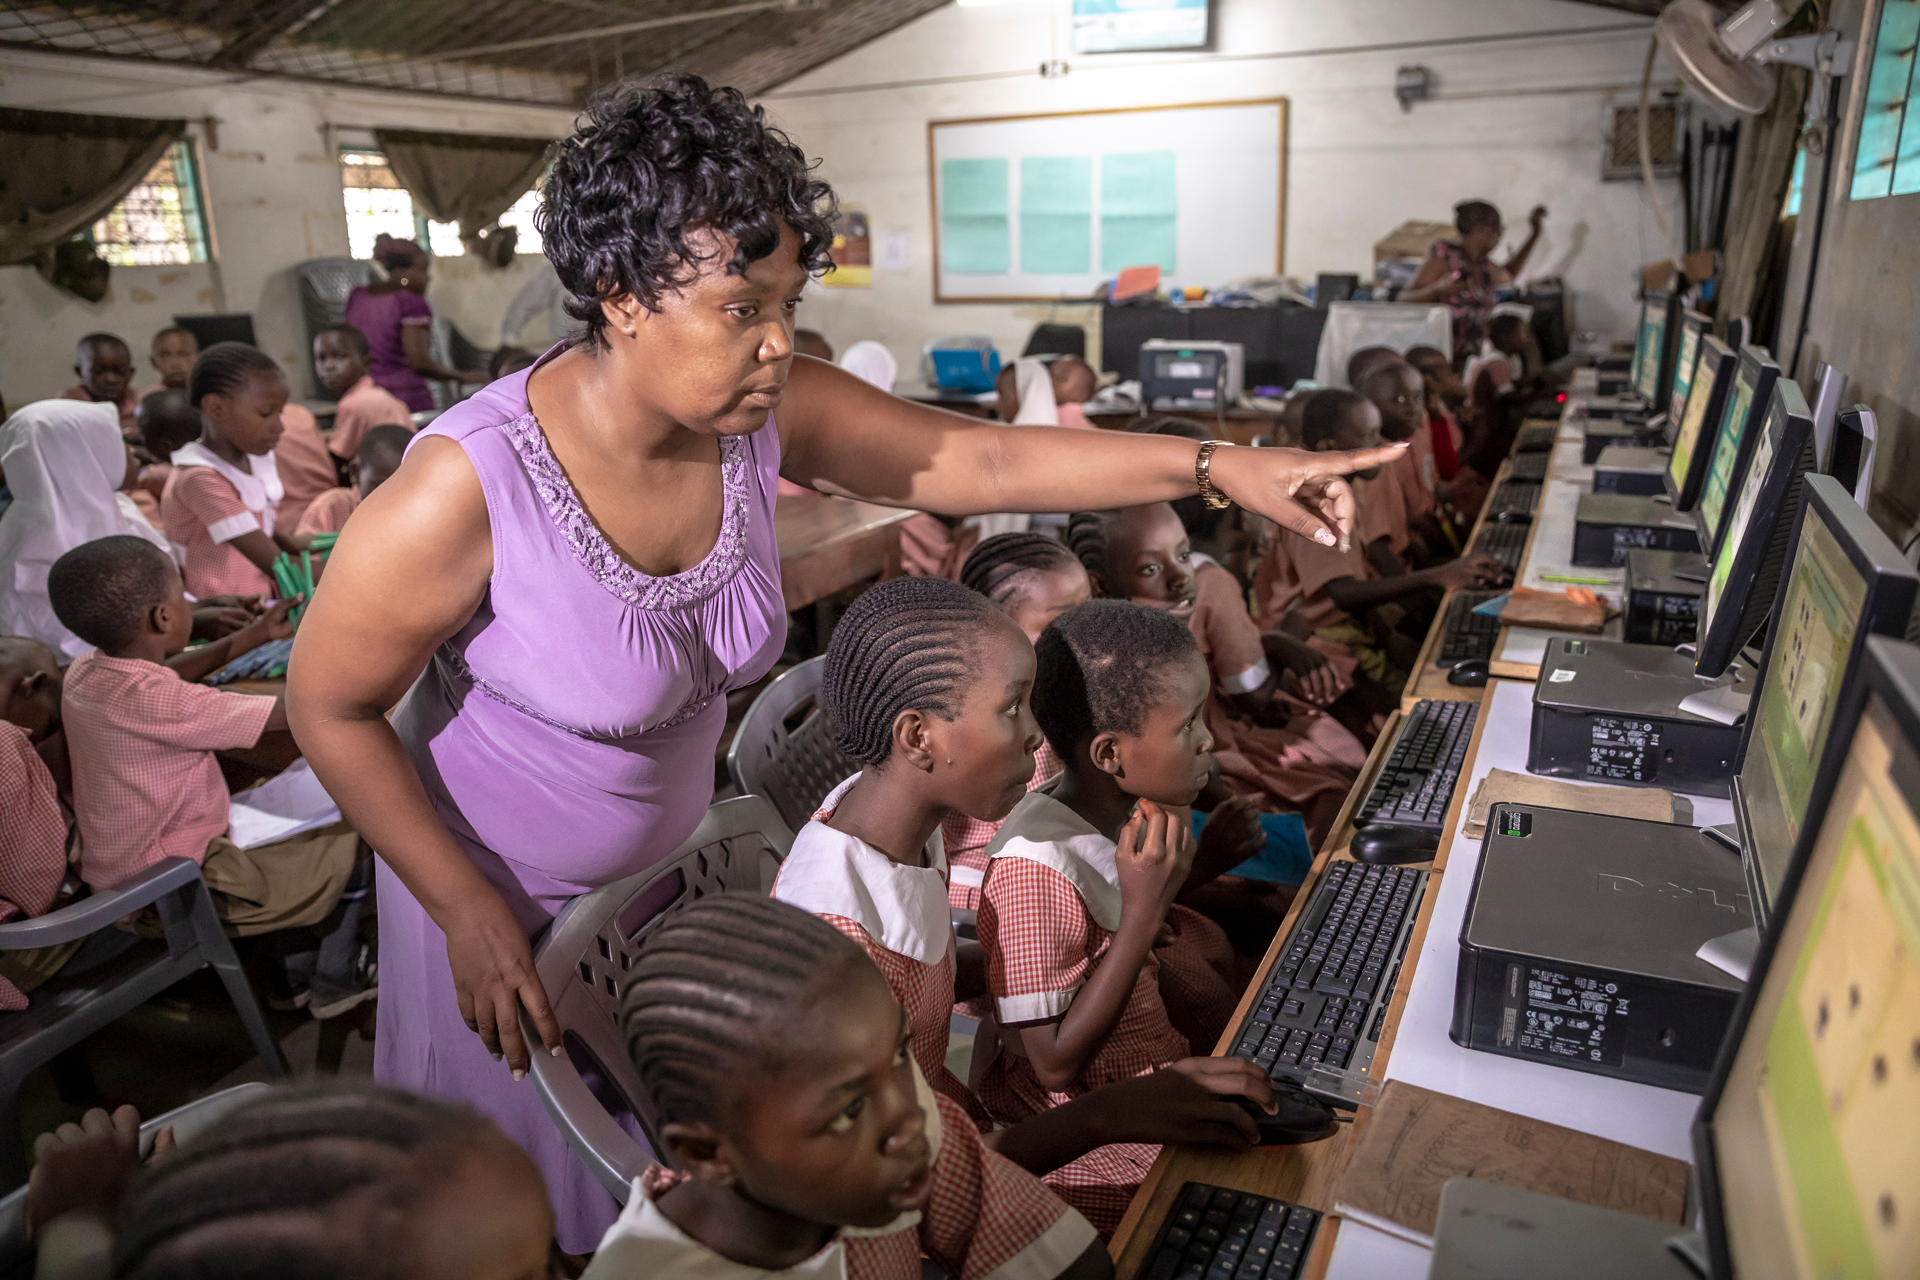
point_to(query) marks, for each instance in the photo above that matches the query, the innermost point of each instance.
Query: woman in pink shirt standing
(394, 315)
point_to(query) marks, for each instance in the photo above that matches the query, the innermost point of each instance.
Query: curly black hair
(651, 163)
(905, 645)
(1327, 410)
(1100, 669)
(1469, 214)
(101, 590)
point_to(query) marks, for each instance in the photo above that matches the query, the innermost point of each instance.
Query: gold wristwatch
(1203, 476)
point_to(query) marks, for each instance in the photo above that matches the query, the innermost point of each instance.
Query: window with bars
(376, 202)
(162, 220)
(1887, 159)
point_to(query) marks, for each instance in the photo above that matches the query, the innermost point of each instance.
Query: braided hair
(905, 645)
(998, 567)
(709, 981)
(1087, 534)
(223, 369)
(312, 1182)
(1099, 669)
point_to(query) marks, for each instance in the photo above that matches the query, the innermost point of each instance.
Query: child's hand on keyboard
(1155, 855)
(1468, 572)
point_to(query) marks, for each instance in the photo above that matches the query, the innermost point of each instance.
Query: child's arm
(263, 550)
(1150, 876)
(1353, 596)
(1185, 1102)
(1318, 682)
(197, 664)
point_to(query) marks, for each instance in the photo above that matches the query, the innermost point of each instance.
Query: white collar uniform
(902, 908)
(260, 491)
(1041, 829)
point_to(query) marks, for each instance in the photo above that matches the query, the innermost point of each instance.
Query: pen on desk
(1578, 582)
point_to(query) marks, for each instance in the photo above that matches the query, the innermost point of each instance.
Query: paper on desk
(280, 807)
(1499, 785)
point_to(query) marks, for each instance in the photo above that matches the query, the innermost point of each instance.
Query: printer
(1178, 373)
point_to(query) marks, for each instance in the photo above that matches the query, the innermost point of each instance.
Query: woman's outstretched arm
(407, 573)
(840, 435)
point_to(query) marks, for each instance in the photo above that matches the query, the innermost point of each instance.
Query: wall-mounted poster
(852, 252)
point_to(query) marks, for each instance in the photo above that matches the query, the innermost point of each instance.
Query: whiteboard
(1224, 162)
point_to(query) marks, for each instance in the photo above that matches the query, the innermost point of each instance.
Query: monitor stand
(1732, 952)
(1722, 703)
(1691, 1248)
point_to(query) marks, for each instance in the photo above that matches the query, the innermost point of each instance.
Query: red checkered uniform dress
(33, 839)
(986, 1219)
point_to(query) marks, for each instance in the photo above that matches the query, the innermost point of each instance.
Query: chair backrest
(1057, 340)
(583, 961)
(324, 286)
(784, 748)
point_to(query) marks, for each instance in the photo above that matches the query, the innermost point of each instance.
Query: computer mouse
(1380, 843)
(1511, 517)
(1470, 674)
(1301, 1118)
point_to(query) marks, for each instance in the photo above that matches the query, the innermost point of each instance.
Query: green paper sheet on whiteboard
(1137, 210)
(1056, 215)
(976, 236)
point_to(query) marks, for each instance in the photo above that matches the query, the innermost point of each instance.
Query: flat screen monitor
(1807, 1144)
(1854, 433)
(1746, 572)
(1655, 367)
(1639, 348)
(1753, 380)
(1828, 385)
(1845, 580)
(1693, 326)
(1706, 403)
(1125, 26)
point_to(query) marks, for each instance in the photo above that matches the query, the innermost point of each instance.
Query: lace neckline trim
(598, 556)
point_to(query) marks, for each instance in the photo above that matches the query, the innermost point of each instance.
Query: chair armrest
(100, 909)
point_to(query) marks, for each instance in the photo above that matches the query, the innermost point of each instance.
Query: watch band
(1203, 476)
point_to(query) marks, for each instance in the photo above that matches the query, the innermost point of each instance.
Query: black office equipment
(1530, 467)
(1609, 525)
(1604, 434)
(1693, 328)
(1299, 1117)
(1416, 781)
(1819, 1067)
(1663, 606)
(1383, 845)
(1635, 470)
(1855, 431)
(1513, 501)
(1325, 1000)
(1610, 712)
(225, 326)
(1823, 393)
(1657, 348)
(1056, 340)
(1845, 580)
(1332, 287)
(1746, 406)
(1282, 342)
(1535, 439)
(1191, 374)
(1699, 428)
(1754, 536)
(1580, 953)
(1504, 542)
(1468, 634)
(1471, 674)
(1212, 1233)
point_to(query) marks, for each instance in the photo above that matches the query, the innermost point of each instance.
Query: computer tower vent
(1666, 129)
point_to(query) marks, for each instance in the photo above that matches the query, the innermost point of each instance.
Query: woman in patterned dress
(1463, 275)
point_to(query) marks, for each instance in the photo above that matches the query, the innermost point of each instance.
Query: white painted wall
(273, 190)
(1516, 122)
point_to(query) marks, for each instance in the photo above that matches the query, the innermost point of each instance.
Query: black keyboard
(1468, 634)
(1536, 439)
(1416, 783)
(1216, 1234)
(1530, 467)
(1514, 498)
(1325, 1000)
(1504, 542)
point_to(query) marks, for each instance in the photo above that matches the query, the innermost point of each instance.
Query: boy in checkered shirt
(33, 820)
(146, 784)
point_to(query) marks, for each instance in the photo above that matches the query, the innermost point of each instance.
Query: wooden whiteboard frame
(933, 183)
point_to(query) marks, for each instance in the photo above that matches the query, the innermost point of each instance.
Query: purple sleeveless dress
(566, 738)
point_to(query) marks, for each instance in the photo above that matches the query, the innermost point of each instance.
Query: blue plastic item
(964, 369)
(1287, 857)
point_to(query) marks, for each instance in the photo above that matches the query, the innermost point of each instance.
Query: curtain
(64, 171)
(466, 178)
(1762, 170)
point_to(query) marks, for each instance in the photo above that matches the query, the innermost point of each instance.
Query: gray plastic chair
(324, 286)
(111, 975)
(784, 748)
(582, 962)
(185, 1121)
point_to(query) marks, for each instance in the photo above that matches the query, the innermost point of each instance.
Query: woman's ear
(1106, 754)
(624, 314)
(913, 740)
(699, 1152)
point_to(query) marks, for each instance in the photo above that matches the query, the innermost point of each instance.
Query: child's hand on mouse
(1468, 572)
(1189, 1101)
(1156, 852)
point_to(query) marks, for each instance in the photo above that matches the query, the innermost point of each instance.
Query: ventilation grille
(1666, 127)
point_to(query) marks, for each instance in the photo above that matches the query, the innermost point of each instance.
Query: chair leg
(218, 950)
(13, 1156)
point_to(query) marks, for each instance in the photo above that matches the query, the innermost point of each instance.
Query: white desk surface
(1637, 1114)
(1552, 551)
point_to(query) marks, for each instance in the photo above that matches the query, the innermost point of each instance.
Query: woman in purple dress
(571, 570)
(394, 315)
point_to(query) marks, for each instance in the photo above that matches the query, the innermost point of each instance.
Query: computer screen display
(1683, 364)
(1737, 527)
(1823, 606)
(1653, 331)
(1680, 461)
(1815, 1122)
(1639, 347)
(1726, 445)
(1120, 26)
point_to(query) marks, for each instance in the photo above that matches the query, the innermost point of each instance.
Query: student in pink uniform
(927, 686)
(104, 365)
(33, 836)
(340, 358)
(378, 458)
